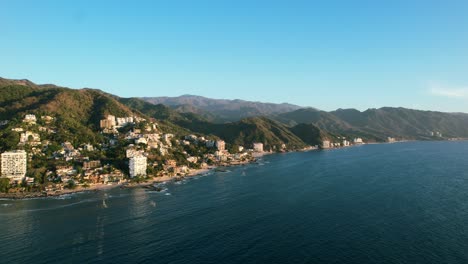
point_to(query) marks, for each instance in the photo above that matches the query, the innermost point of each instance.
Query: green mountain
(78, 112)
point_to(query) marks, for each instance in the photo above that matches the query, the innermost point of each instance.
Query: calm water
(394, 203)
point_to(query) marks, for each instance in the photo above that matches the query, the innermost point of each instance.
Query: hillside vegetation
(78, 112)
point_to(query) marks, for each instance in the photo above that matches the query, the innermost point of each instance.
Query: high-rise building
(14, 164)
(138, 166)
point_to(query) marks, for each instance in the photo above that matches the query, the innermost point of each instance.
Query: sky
(325, 54)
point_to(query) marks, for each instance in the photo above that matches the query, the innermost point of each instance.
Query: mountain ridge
(80, 110)
(224, 110)
(373, 124)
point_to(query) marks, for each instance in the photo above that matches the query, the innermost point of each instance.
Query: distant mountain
(378, 124)
(79, 111)
(402, 122)
(221, 110)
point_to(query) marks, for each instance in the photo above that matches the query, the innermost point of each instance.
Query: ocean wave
(66, 205)
(158, 191)
(63, 197)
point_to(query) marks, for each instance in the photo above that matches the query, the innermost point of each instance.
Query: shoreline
(126, 185)
(166, 178)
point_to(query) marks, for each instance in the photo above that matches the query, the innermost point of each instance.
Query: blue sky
(325, 54)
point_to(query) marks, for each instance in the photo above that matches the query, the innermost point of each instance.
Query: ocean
(382, 203)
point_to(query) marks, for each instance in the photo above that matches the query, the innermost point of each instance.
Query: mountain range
(221, 110)
(238, 122)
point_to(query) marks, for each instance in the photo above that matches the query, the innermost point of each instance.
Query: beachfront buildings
(346, 143)
(138, 166)
(358, 141)
(258, 147)
(14, 164)
(326, 144)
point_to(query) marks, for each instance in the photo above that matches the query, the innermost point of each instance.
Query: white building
(141, 140)
(14, 164)
(192, 159)
(220, 145)
(88, 147)
(358, 141)
(131, 152)
(138, 166)
(167, 138)
(258, 147)
(326, 144)
(122, 121)
(30, 118)
(346, 143)
(29, 137)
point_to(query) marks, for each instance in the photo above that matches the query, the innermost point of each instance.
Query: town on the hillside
(134, 150)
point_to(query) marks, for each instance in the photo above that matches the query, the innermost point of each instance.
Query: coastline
(149, 182)
(167, 178)
(103, 187)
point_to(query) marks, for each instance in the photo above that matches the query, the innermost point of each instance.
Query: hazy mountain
(401, 122)
(378, 124)
(222, 110)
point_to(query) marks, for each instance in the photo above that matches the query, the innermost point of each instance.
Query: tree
(4, 184)
(71, 184)
(9, 140)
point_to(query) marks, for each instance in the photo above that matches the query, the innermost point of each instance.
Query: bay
(383, 203)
